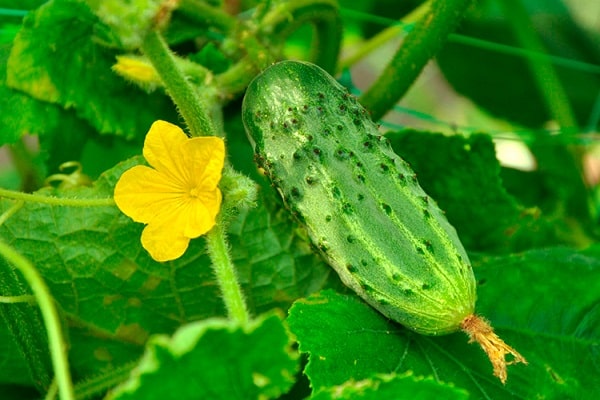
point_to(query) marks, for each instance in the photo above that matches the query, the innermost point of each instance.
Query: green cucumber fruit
(361, 203)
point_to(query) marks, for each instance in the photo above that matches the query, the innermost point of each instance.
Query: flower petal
(205, 157)
(167, 235)
(201, 213)
(163, 150)
(162, 243)
(141, 190)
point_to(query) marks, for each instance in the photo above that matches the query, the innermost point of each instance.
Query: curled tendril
(69, 180)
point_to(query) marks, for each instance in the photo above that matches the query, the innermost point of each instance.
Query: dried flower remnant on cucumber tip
(481, 332)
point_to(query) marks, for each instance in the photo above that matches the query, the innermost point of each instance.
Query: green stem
(544, 74)
(57, 344)
(225, 273)
(184, 95)
(207, 15)
(56, 201)
(560, 176)
(52, 391)
(11, 211)
(97, 385)
(406, 24)
(286, 17)
(420, 45)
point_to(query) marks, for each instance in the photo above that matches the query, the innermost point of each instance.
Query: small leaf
(55, 59)
(390, 387)
(215, 359)
(552, 321)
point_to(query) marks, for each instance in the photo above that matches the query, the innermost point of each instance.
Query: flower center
(195, 193)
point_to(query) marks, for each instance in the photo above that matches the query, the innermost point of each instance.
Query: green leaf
(99, 154)
(106, 283)
(22, 114)
(24, 322)
(389, 387)
(463, 175)
(13, 392)
(10, 355)
(274, 258)
(129, 20)
(212, 58)
(215, 359)
(21, 4)
(92, 355)
(55, 59)
(544, 303)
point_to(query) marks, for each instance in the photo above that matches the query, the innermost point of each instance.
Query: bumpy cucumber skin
(360, 202)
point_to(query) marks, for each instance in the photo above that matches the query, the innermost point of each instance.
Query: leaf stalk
(218, 250)
(420, 45)
(185, 96)
(56, 341)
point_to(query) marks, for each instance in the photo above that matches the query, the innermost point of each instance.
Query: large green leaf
(463, 175)
(390, 387)
(13, 366)
(108, 286)
(14, 392)
(55, 59)
(22, 114)
(544, 303)
(215, 359)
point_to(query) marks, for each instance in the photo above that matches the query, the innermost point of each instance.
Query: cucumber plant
(362, 205)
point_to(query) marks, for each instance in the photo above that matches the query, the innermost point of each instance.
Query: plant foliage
(134, 328)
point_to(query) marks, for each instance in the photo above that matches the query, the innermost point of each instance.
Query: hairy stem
(57, 344)
(191, 107)
(56, 201)
(226, 275)
(422, 43)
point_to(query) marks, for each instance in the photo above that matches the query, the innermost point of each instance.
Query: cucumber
(361, 204)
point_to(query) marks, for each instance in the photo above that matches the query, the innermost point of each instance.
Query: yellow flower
(178, 198)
